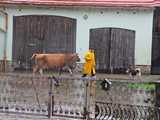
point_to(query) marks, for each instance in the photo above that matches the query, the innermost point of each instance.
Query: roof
(98, 3)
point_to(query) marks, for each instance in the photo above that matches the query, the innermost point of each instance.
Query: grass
(145, 86)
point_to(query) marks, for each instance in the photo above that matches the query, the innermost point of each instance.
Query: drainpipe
(5, 41)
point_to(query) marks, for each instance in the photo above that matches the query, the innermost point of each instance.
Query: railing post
(86, 101)
(90, 99)
(50, 101)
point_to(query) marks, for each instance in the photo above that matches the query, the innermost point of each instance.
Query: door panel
(114, 48)
(155, 61)
(63, 35)
(122, 49)
(100, 41)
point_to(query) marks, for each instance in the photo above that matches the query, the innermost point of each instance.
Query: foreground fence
(110, 111)
(22, 94)
(77, 98)
(43, 95)
(127, 100)
(69, 98)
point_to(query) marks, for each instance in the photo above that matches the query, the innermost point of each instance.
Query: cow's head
(73, 58)
(33, 56)
(76, 57)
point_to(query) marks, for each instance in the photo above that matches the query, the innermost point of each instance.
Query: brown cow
(59, 60)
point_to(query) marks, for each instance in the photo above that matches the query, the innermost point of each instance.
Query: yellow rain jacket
(89, 65)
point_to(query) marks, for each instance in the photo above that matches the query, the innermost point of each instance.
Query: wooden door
(114, 48)
(61, 35)
(122, 50)
(41, 34)
(100, 41)
(155, 60)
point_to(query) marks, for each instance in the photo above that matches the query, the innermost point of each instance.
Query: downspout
(4, 64)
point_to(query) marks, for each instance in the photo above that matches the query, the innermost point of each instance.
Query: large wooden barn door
(122, 49)
(61, 35)
(41, 34)
(100, 41)
(155, 63)
(114, 48)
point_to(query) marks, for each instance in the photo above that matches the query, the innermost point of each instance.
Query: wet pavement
(144, 77)
(9, 116)
(99, 76)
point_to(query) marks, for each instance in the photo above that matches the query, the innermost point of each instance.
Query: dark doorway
(41, 34)
(114, 49)
(155, 61)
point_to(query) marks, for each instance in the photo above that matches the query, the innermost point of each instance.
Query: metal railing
(110, 111)
(22, 94)
(43, 95)
(74, 97)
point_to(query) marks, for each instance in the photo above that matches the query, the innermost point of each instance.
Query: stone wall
(127, 93)
(145, 69)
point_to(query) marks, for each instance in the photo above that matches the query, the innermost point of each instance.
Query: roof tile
(112, 3)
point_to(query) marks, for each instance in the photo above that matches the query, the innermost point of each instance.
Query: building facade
(120, 35)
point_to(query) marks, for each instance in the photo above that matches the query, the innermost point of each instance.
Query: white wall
(138, 20)
(2, 40)
(2, 34)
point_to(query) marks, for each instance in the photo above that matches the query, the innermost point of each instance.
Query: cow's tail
(33, 56)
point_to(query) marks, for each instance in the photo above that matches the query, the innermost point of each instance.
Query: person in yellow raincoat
(89, 65)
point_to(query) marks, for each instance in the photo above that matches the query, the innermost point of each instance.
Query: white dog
(134, 73)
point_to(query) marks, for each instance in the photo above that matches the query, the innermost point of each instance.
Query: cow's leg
(70, 71)
(59, 71)
(35, 69)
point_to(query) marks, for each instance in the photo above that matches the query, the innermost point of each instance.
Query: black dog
(106, 84)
